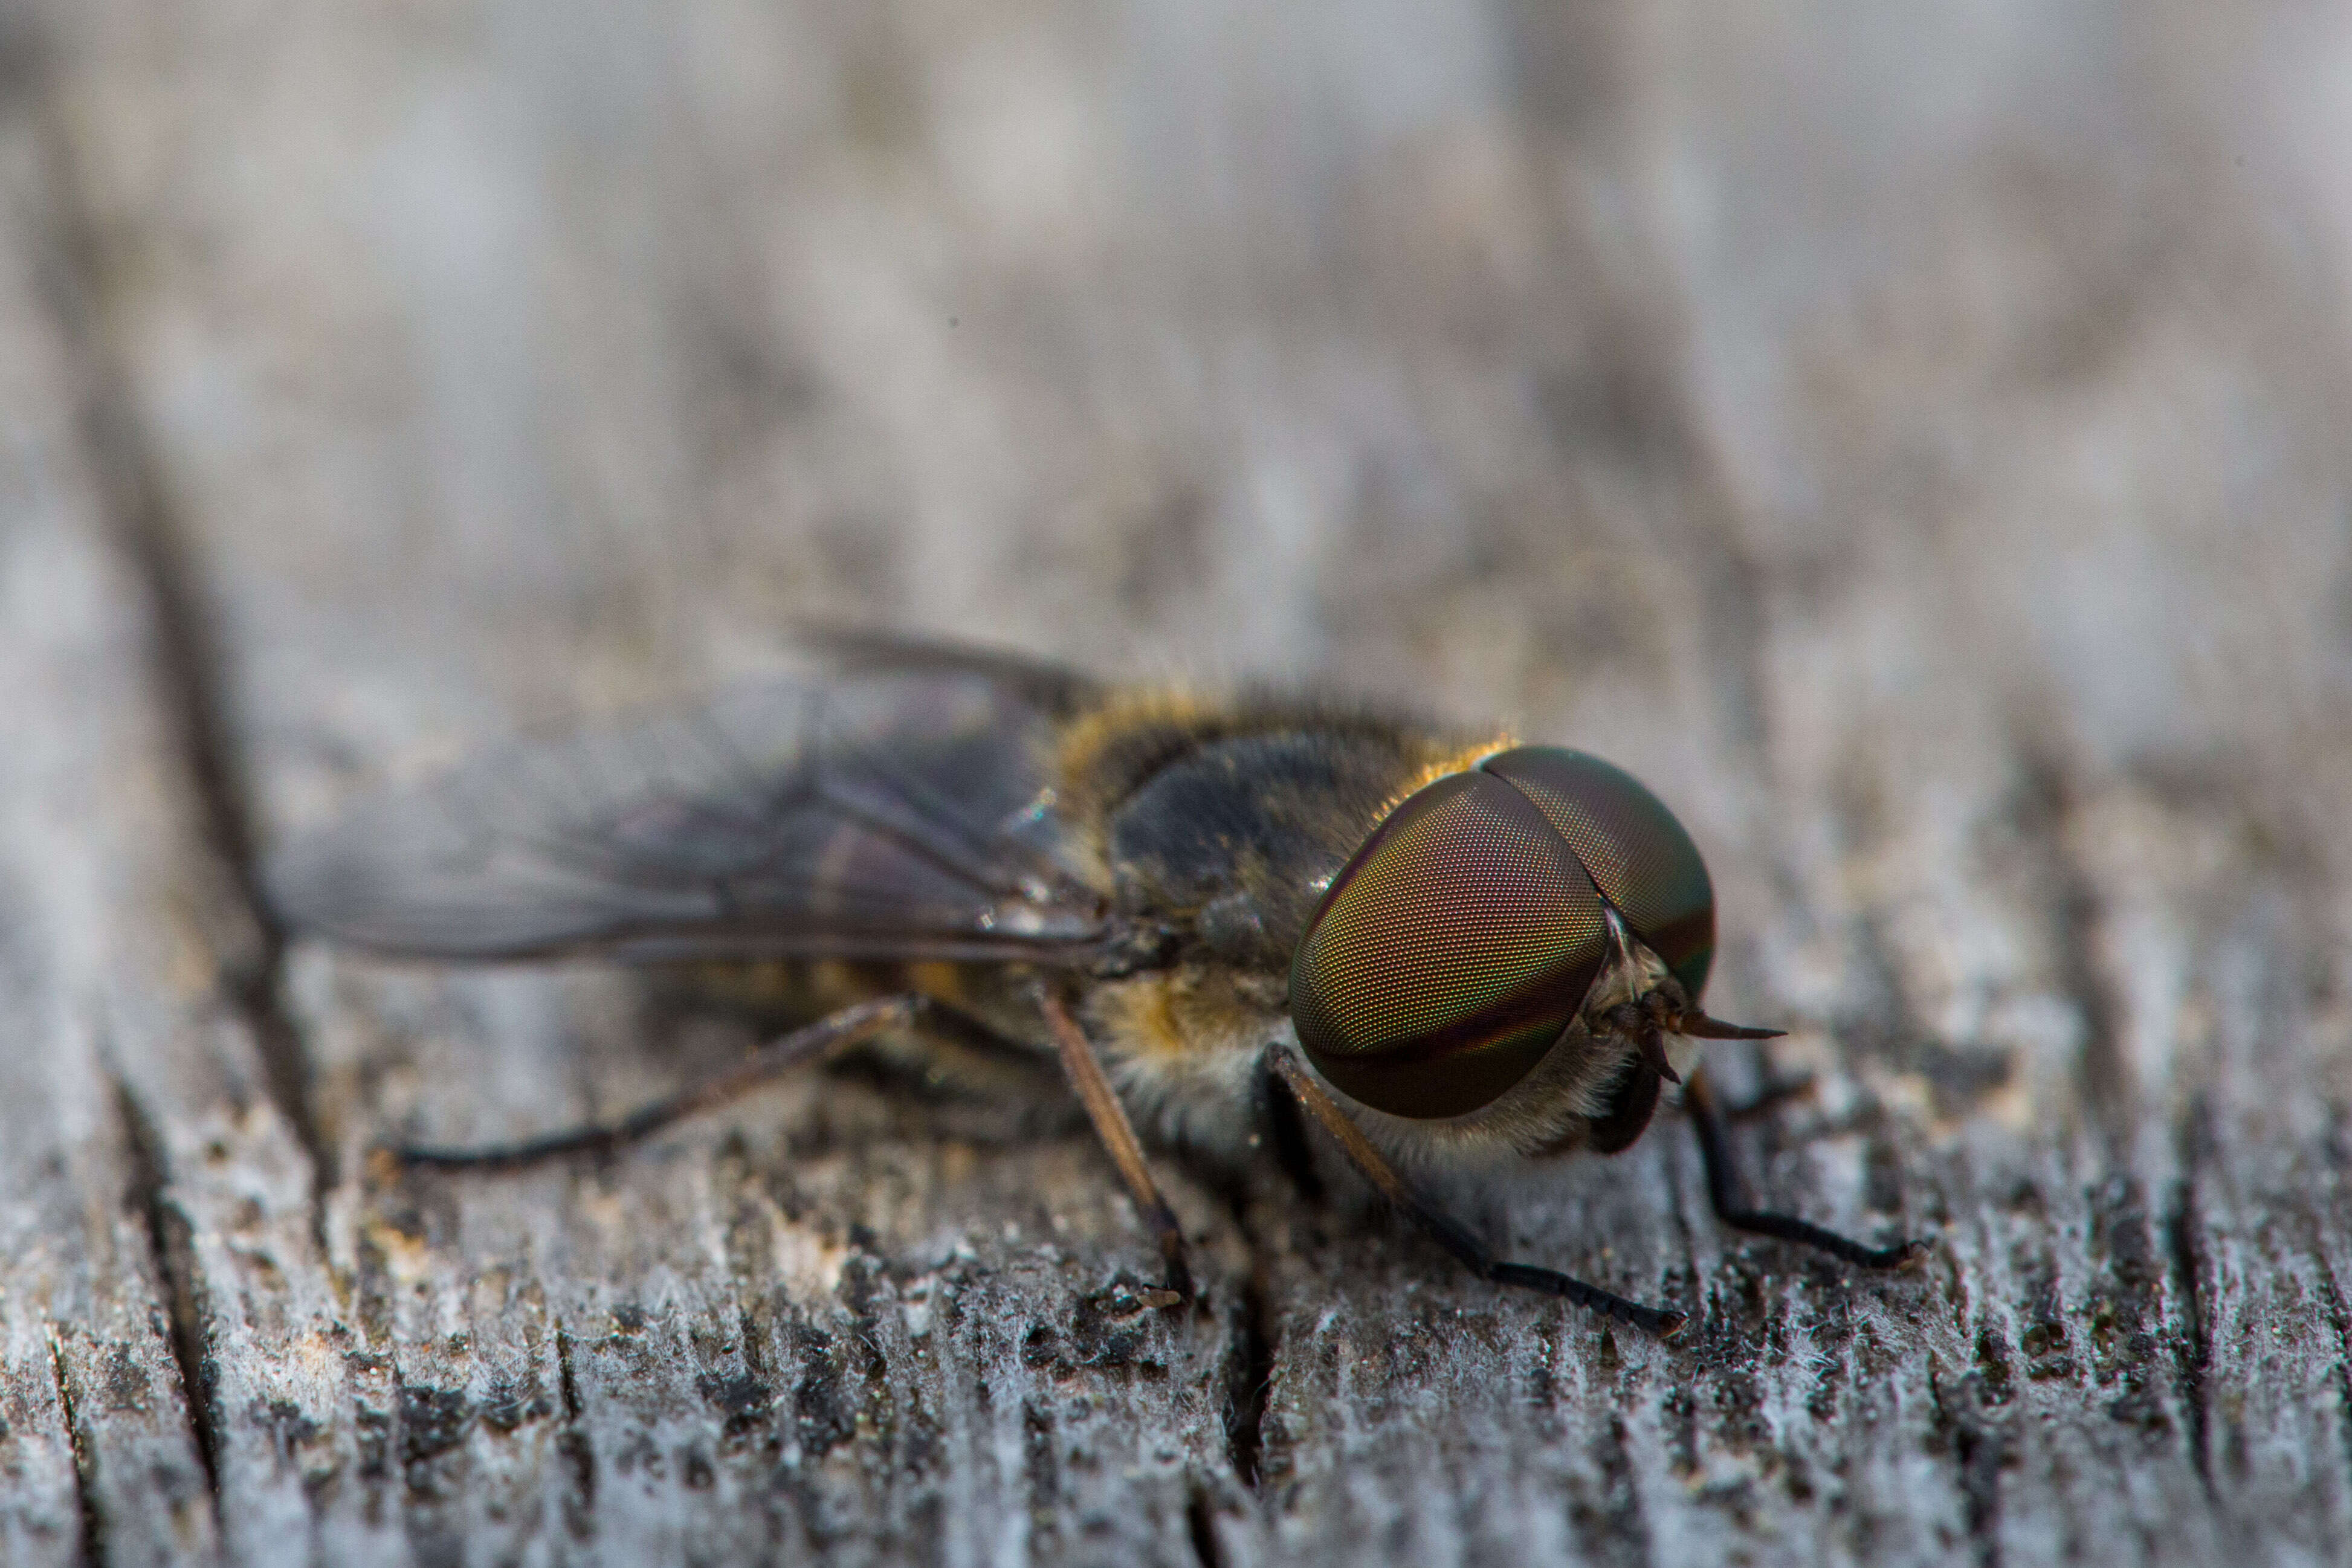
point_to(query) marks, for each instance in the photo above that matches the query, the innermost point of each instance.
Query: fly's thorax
(1225, 822)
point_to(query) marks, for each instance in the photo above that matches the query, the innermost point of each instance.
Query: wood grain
(1914, 447)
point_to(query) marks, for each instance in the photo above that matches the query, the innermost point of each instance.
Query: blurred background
(1485, 346)
(1884, 426)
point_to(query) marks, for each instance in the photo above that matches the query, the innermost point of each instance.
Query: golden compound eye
(1638, 855)
(1450, 952)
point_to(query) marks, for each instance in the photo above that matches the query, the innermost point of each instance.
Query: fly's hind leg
(1724, 1191)
(828, 1036)
(1450, 1233)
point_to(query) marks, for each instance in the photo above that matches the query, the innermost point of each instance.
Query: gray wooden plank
(816, 1323)
(700, 1405)
(156, 952)
(100, 1461)
(1914, 447)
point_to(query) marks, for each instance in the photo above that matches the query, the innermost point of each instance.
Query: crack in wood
(1201, 1528)
(1251, 1380)
(1698, 1306)
(2104, 1079)
(2130, 1337)
(1618, 1519)
(1041, 1474)
(579, 1453)
(85, 1463)
(2339, 1320)
(174, 1265)
(1980, 1448)
(2193, 1352)
(1253, 1343)
(184, 659)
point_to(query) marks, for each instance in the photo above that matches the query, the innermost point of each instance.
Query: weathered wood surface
(1912, 439)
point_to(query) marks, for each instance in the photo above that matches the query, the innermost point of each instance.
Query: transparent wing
(900, 814)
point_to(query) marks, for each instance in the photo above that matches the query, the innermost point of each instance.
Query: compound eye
(1640, 858)
(1449, 954)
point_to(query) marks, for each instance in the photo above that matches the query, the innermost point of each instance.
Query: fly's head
(1541, 902)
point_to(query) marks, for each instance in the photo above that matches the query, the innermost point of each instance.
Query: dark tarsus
(1725, 1194)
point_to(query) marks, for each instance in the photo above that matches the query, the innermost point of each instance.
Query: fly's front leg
(1449, 1232)
(1724, 1191)
(1117, 1134)
(831, 1034)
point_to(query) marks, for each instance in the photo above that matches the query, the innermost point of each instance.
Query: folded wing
(898, 813)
